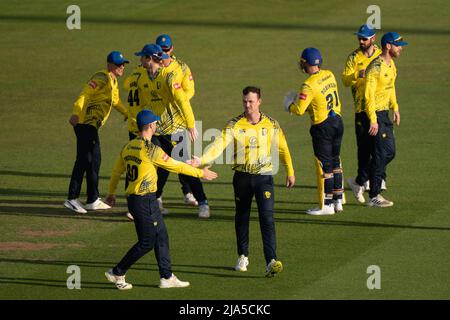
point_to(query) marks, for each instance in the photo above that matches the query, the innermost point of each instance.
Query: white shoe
(74, 205)
(367, 185)
(203, 211)
(338, 206)
(379, 201)
(242, 263)
(97, 205)
(129, 216)
(161, 208)
(273, 268)
(120, 282)
(190, 199)
(172, 282)
(326, 210)
(357, 190)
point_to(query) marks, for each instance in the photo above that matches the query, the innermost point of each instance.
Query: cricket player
(258, 144)
(319, 96)
(90, 112)
(140, 158)
(380, 97)
(170, 102)
(353, 76)
(188, 85)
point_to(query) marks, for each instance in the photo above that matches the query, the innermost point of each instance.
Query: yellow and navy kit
(319, 95)
(379, 91)
(252, 145)
(140, 158)
(93, 105)
(356, 62)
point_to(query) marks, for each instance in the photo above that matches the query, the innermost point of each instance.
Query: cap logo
(317, 61)
(163, 39)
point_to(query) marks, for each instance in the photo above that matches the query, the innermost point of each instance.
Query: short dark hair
(249, 89)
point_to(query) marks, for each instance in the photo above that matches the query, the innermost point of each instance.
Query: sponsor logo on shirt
(177, 85)
(302, 96)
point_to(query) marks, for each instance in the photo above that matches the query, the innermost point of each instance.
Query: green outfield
(228, 45)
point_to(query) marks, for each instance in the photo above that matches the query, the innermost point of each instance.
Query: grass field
(228, 45)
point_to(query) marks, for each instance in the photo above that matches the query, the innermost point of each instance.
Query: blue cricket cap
(311, 56)
(152, 50)
(116, 57)
(145, 117)
(393, 38)
(365, 31)
(164, 41)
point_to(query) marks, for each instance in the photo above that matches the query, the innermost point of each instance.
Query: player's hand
(289, 99)
(74, 119)
(373, 130)
(290, 181)
(193, 134)
(208, 174)
(110, 200)
(195, 162)
(362, 73)
(396, 118)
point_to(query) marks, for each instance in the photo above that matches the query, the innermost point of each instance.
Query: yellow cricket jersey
(167, 99)
(141, 96)
(93, 105)
(379, 91)
(252, 145)
(136, 99)
(319, 95)
(140, 158)
(356, 62)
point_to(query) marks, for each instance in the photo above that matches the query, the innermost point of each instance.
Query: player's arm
(214, 150)
(369, 94)
(304, 99)
(393, 105)
(188, 82)
(163, 160)
(285, 155)
(121, 108)
(350, 74)
(118, 169)
(180, 98)
(371, 83)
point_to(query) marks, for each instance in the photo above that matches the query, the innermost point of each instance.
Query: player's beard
(364, 47)
(394, 53)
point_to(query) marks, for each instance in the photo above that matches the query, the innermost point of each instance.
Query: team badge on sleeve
(165, 157)
(191, 77)
(92, 84)
(302, 96)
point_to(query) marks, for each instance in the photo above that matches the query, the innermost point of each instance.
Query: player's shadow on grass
(61, 213)
(58, 283)
(140, 266)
